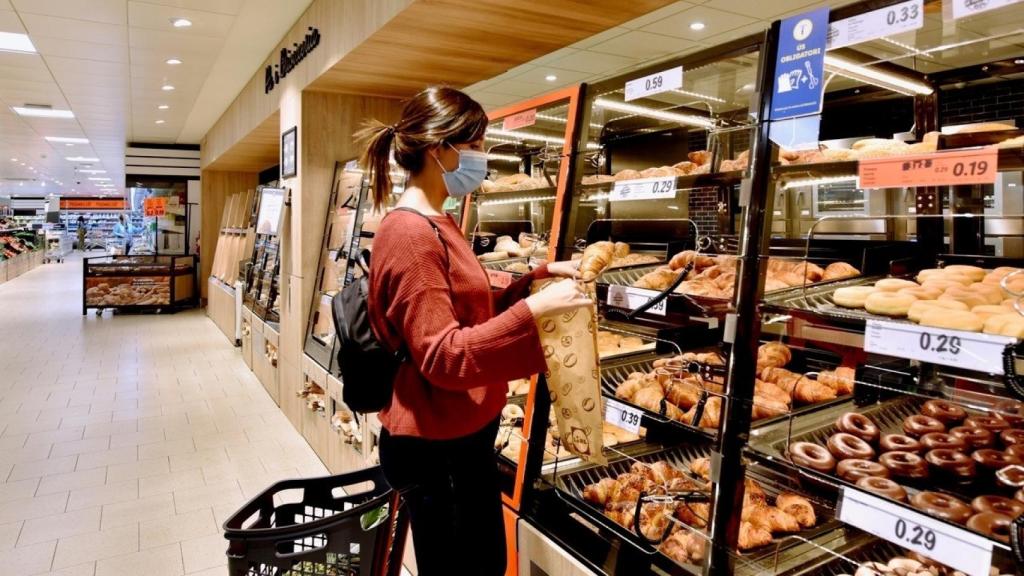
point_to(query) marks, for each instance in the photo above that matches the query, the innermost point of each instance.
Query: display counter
(139, 283)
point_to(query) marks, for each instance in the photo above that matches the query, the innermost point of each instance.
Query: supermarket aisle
(125, 441)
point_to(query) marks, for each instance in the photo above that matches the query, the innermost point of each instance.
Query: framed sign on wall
(289, 151)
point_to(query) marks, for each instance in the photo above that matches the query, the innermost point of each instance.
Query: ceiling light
(163, 107)
(504, 158)
(42, 112)
(93, 171)
(11, 42)
(519, 135)
(22, 163)
(67, 140)
(692, 120)
(1019, 61)
(81, 159)
(181, 22)
(551, 77)
(818, 181)
(902, 84)
(99, 178)
(173, 61)
(696, 26)
(160, 121)
(167, 87)
(14, 159)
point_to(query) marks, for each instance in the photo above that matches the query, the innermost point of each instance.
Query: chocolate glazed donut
(900, 443)
(941, 506)
(811, 455)
(918, 425)
(991, 524)
(974, 437)
(951, 465)
(884, 487)
(904, 465)
(943, 411)
(999, 504)
(934, 440)
(859, 425)
(843, 446)
(854, 469)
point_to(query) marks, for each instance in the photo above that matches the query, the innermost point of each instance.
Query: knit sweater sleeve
(516, 291)
(449, 355)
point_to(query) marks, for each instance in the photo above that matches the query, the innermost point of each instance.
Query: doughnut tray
(570, 486)
(816, 300)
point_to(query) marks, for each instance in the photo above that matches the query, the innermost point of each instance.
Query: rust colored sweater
(465, 342)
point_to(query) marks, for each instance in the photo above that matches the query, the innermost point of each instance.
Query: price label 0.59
(644, 189)
(951, 545)
(618, 414)
(671, 79)
(969, 350)
(964, 166)
(633, 298)
(902, 17)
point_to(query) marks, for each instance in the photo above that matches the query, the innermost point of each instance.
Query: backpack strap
(433, 225)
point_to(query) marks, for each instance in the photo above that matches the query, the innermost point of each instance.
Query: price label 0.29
(969, 350)
(902, 17)
(671, 79)
(633, 298)
(951, 545)
(644, 189)
(618, 414)
(964, 166)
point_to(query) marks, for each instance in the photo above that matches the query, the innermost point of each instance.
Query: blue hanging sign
(800, 65)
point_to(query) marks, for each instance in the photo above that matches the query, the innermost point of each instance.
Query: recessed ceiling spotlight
(173, 61)
(181, 22)
(551, 77)
(81, 159)
(42, 112)
(22, 163)
(99, 178)
(67, 140)
(93, 171)
(163, 107)
(160, 121)
(167, 87)
(696, 26)
(1019, 61)
(14, 159)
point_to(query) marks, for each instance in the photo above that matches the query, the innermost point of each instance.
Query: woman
(81, 232)
(123, 230)
(429, 294)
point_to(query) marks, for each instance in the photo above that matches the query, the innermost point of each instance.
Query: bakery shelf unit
(263, 274)
(139, 283)
(234, 243)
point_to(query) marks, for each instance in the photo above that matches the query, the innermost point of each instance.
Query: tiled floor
(125, 441)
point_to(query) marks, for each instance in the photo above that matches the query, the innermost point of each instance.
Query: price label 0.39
(618, 414)
(951, 545)
(633, 298)
(644, 189)
(969, 350)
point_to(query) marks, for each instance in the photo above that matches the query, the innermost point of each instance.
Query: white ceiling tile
(20, 60)
(9, 22)
(592, 62)
(15, 73)
(219, 6)
(636, 44)
(735, 33)
(157, 17)
(60, 65)
(715, 22)
(538, 77)
(171, 42)
(49, 46)
(763, 10)
(659, 14)
(514, 88)
(69, 29)
(600, 37)
(106, 11)
(6, 5)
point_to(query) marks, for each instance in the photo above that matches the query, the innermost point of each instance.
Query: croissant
(797, 506)
(710, 417)
(701, 467)
(782, 521)
(767, 408)
(808, 391)
(650, 398)
(699, 157)
(752, 536)
(628, 388)
(621, 250)
(769, 390)
(634, 480)
(596, 258)
(657, 279)
(601, 492)
(682, 259)
(775, 348)
(655, 520)
(753, 493)
(693, 514)
(682, 393)
(809, 270)
(662, 472)
(837, 270)
(684, 547)
(622, 517)
(843, 380)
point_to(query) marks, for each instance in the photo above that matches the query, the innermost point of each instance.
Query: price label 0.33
(969, 350)
(633, 298)
(951, 545)
(644, 189)
(618, 414)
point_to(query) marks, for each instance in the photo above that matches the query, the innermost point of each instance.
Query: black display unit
(263, 273)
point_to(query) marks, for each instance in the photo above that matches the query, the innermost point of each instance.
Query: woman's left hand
(565, 269)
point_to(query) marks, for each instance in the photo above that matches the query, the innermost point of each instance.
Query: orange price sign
(955, 167)
(520, 120)
(152, 207)
(499, 278)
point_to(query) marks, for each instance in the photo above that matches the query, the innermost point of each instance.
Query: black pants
(451, 490)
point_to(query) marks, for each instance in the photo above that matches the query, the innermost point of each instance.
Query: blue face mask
(467, 177)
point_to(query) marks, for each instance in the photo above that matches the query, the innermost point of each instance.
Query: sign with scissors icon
(800, 65)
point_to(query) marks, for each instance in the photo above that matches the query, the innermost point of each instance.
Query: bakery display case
(139, 283)
(263, 273)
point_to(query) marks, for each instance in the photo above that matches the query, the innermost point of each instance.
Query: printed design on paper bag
(579, 441)
(566, 341)
(588, 404)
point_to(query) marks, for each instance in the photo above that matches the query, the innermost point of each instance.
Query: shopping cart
(330, 526)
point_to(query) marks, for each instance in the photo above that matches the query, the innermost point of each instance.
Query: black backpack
(367, 367)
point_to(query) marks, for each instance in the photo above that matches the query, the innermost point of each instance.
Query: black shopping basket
(328, 526)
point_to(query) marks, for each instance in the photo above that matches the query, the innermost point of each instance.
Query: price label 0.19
(671, 79)
(951, 545)
(962, 8)
(618, 414)
(965, 166)
(633, 298)
(968, 350)
(902, 17)
(644, 189)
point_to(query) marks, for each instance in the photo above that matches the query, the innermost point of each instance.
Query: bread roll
(627, 175)
(953, 319)
(973, 272)
(919, 308)
(872, 143)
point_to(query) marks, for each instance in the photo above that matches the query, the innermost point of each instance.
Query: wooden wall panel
(217, 186)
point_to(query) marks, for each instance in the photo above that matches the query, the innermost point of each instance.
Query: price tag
(887, 21)
(945, 543)
(966, 166)
(962, 8)
(633, 298)
(644, 189)
(499, 278)
(969, 350)
(618, 414)
(671, 79)
(520, 120)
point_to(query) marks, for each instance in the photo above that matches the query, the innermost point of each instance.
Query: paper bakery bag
(569, 342)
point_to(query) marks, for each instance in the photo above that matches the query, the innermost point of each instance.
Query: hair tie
(392, 128)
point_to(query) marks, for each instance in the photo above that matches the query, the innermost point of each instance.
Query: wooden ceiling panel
(255, 152)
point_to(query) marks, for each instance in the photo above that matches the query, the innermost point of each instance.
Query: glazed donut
(918, 425)
(928, 273)
(972, 272)
(1019, 495)
(1010, 410)
(965, 295)
(951, 463)
(904, 465)
(991, 460)
(942, 440)
(974, 437)
(996, 323)
(883, 487)
(1016, 450)
(987, 311)
(998, 504)
(813, 456)
(996, 425)
(895, 284)
(919, 308)
(843, 446)
(991, 524)
(990, 292)
(1010, 477)
(945, 282)
(852, 296)
(941, 506)
(1011, 436)
(859, 425)
(921, 293)
(953, 319)
(853, 469)
(945, 412)
(889, 303)
(900, 443)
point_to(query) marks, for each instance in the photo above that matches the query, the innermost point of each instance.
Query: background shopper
(429, 294)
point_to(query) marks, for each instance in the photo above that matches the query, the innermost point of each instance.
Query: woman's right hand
(556, 298)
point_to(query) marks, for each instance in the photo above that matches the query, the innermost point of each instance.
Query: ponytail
(376, 159)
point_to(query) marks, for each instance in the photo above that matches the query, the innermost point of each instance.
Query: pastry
(899, 442)
(838, 270)
(918, 425)
(883, 486)
(853, 469)
(894, 284)
(596, 258)
(991, 524)
(950, 465)
(811, 455)
(921, 293)
(953, 319)
(972, 272)
(843, 446)
(889, 303)
(933, 440)
(1000, 504)
(858, 425)
(919, 308)
(974, 437)
(905, 465)
(852, 296)
(943, 411)
(942, 506)
(961, 294)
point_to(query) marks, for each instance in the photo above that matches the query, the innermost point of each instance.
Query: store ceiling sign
(289, 58)
(963, 8)
(955, 167)
(154, 207)
(105, 204)
(520, 120)
(895, 19)
(671, 79)
(800, 65)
